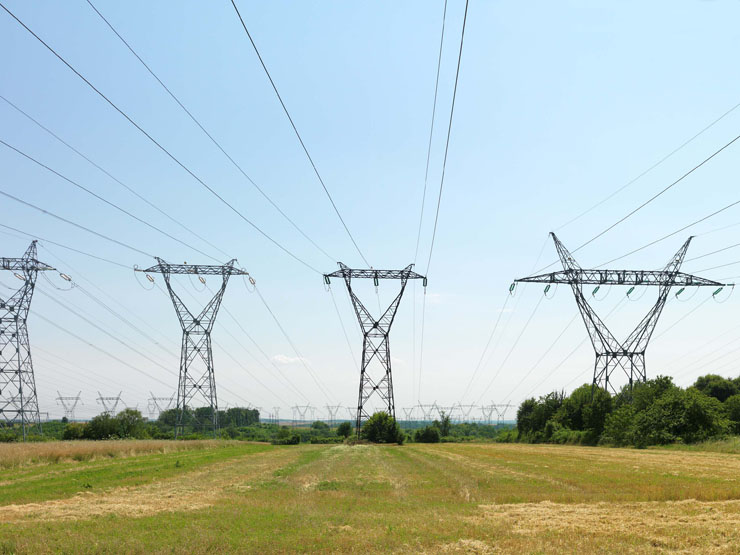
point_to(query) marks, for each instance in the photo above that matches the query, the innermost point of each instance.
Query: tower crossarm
(24, 264)
(345, 272)
(196, 269)
(622, 277)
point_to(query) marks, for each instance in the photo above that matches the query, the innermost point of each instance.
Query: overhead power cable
(734, 245)
(79, 226)
(513, 347)
(297, 134)
(208, 134)
(301, 359)
(449, 131)
(106, 172)
(431, 132)
(159, 145)
(658, 194)
(97, 348)
(34, 236)
(651, 168)
(684, 228)
(104, 200)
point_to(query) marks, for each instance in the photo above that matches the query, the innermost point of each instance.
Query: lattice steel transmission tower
(611, 354)
(110, 404)
(157, 405)
(196, 381)
(69, 404)
(332, 411)
(488, 411)
(375, 372)
(18, 400)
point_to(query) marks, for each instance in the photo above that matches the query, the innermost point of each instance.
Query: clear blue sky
(558, 105)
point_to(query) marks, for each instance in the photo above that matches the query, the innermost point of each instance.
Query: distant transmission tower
(465, 411)
(501, 413)
(611, 354)
(197, 381)
(332, 411)
(488, 411)
(375, 373)
(157, 405)
(69, 404)
(300, 410)
(110, 404)
(18, 400)
(276, 414)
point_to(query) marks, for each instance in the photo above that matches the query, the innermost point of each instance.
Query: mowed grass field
(149, 497)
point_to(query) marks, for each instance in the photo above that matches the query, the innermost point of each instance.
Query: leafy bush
(381, 427)
(74, 430)
(716, 386)
(294, 439)
(344, 429)
(732, 408)
(429, 434)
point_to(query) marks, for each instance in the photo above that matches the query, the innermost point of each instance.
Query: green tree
(444, 424)
(320, 426)
(344, 429)
(428, 434)
(716, 386)
(680, 415)
(381, 427)
(618, 427)
(74, 430)
(102, 426)
(129, 423)
(732, 408)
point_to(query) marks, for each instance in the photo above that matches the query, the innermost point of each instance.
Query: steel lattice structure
(196, 381)
(18, 399)
(69, 404)
(375, 332)
(611, 354)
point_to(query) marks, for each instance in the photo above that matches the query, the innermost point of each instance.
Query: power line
(70, 222)
(297, 134)
(431, 133)
(651, 243)
(102, 199)
(714, 252)
(506, 358)
(651, 168)
(292, 346)
(658, 194)
(449, 131)
(34, 236)
(208, 134)
(159, 145)
(107, 173)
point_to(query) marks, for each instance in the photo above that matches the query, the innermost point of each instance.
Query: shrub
(320, 426)
(344, 429)
(732, 408)
(381, 427)
(294, 439)
(716, 386)
(74, 430)
(429, 434)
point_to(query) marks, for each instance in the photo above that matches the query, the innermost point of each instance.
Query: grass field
(456, 498)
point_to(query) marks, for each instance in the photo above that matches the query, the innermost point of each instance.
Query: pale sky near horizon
(558, 106)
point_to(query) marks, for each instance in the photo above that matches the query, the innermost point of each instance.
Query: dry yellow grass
(19, 454)
(449, 498)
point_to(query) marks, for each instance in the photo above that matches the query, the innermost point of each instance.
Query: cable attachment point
(64, 276)
(20, 277)
(512, 287)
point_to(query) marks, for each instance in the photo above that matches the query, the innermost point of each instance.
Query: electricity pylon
(69, 404)
(376, 354)
(409, 413)
(196, 379)
(332, 411)
(611, 354)
(18, 399)
(110, 404)
(300, 410)
(488, 411)
(501, 413)
(157, 405)
(465, 410)
(276, 414)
